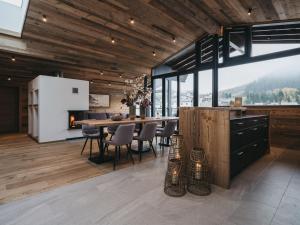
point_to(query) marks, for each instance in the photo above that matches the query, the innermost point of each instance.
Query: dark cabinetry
(249, 140)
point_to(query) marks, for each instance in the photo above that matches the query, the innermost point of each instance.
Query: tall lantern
(198, 173)
(175, 179)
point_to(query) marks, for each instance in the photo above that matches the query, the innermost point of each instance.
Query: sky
(243, 74)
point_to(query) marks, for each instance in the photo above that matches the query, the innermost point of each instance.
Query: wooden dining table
(108, 122)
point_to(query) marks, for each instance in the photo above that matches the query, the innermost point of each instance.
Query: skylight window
(14, 2)
(12, 16)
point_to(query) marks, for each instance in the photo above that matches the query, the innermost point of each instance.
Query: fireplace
(73, 116)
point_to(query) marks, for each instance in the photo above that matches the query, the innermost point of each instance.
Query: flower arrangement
(137, 94)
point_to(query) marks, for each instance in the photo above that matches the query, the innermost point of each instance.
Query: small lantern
(198, 173)
(174, 181)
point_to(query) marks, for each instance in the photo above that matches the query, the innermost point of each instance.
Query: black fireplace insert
(76, 115)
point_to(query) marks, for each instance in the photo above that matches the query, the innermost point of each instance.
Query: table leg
(101, 158)
(140, 147)
(101, 147)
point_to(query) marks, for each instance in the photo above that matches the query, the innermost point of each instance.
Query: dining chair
(147, 134)
(90, 132)
(166, 133)
(122, 136)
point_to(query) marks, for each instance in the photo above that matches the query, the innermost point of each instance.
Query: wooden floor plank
(27, 167)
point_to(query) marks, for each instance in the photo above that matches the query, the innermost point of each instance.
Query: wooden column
(208, 128)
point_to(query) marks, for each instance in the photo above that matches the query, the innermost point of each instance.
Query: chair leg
(98, 142)
(151, 146)
(140, 155)
(115, 158)
(163, 146)
(106, 148)
(84, 145)
(119, 153)
(91, 146)
(160, 142)
(129, 152)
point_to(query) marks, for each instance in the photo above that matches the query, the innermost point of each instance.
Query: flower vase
(143, 112)
(132, 114)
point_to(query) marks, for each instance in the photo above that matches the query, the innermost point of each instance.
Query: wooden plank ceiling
(77, 37)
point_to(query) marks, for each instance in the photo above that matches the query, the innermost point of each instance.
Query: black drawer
(244, 137)
(239, 160)
(238, 124)
(238, 139)
(257, 149)
(244, 123)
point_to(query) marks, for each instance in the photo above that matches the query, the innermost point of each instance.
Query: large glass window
(157, 97)
(13, 2)
(171, 96)
(186, 83)
(262, 49)
(272, 82)
(205, 88)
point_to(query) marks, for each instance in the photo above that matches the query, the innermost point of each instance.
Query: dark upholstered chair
(166, 133)
(90, 132)
(147, 134)
(97, 116)
(123, 136)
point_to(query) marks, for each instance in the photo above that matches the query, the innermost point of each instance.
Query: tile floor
(266, 193)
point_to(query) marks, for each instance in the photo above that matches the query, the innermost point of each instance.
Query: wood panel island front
(232, 140)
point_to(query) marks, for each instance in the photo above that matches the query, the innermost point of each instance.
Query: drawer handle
(240, 123)
(255, 121)
(255, 129)
(240, 153)
(255, 145)
(240, 133)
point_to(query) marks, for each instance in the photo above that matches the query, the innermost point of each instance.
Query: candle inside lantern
(198, 171)
(174, 177)
(177, 155)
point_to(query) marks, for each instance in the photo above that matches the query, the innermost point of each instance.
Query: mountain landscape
(276, 88)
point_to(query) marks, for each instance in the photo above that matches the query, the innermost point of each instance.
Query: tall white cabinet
(49, 100)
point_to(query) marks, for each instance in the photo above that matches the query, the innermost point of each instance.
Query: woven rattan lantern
(198, 173)
(175, 176)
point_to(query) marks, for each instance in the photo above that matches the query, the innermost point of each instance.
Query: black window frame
(227, 61)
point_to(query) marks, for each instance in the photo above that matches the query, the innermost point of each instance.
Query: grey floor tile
(134, 196)
(288, 212)
(252, 213)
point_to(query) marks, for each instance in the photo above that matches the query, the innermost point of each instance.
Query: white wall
(55, 99)
(12, 18)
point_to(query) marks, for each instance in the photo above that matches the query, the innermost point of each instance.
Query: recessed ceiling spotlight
(13, 59)
(101, 73)
(131, 21)
(174, 39)
(109, 84)
(9, 78)
(113, 40)
(91, 81)
(249, 11)
(154, 53)
(121, 76)
(44, 18)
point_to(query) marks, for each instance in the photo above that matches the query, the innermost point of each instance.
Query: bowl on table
(116, 117)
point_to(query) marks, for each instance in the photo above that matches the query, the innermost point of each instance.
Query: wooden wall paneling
(209, 129)
(284, 124)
